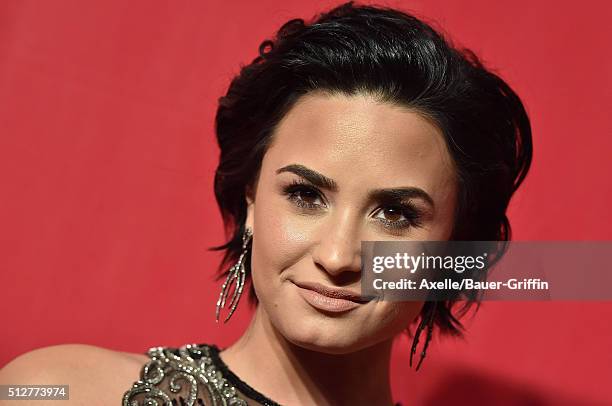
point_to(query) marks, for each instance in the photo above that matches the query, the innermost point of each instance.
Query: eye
(304, 195)
(398, 216)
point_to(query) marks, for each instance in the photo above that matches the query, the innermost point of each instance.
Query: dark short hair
(401, 60)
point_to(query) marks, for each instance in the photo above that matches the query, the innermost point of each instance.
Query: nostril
(338, 251)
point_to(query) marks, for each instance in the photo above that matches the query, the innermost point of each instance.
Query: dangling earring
(425, 322)
(237, 274)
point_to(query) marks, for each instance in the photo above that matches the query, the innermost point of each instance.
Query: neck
(297, 376)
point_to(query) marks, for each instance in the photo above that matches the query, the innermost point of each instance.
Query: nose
(338, 249)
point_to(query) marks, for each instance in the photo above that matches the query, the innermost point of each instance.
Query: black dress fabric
(192, 375)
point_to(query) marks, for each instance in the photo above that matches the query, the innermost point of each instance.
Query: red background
(106, 165)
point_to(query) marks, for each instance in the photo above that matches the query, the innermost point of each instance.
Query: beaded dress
(193, 374)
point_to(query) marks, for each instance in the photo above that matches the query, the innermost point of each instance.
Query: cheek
(399, 315)
(280, 239)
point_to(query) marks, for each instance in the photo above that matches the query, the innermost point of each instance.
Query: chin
(319, 337)
(326, 346)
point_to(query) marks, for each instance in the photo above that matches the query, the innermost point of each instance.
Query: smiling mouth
(329, 299)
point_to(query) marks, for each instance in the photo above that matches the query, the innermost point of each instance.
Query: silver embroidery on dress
(192, 373)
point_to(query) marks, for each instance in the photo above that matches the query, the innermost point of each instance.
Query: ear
(250, 201)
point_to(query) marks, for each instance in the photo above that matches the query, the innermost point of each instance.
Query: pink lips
(329, 299)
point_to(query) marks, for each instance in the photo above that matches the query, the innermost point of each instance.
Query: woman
(362, 125)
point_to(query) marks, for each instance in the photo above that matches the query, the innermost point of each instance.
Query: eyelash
(413, 217)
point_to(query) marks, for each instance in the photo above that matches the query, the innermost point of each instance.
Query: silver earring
(236, 277)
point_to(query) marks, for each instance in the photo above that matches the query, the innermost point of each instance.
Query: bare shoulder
(96, 375)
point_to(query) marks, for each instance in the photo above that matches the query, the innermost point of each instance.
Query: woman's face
(342, 169)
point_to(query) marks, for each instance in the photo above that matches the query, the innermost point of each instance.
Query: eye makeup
(404, 213)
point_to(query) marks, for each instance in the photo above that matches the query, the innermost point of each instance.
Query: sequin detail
(186, 378)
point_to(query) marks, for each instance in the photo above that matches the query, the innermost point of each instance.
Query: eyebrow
(389, 194)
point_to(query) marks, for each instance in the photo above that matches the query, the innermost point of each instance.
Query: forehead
(358, 140)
